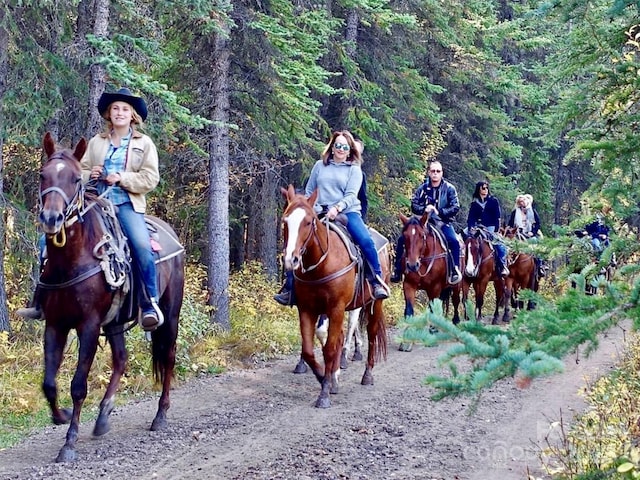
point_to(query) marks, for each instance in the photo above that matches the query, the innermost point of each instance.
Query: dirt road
(261, 424)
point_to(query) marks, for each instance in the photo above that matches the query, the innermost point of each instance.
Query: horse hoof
(323, 402)
(158, 424)
(101, 427)
(63, 418)
(357, 357)
(405, 347)
(67, 454)
(367, 379)
(343, 362)
(301, 367)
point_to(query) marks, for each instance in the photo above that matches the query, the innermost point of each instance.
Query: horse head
(60, 183)
(473, 252)
(300, 224)
(414, 232)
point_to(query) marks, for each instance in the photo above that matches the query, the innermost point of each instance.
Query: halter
(431, 258)
(73, 204)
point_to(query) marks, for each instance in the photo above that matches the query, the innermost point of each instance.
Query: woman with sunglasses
(485, 211)
(338, 177)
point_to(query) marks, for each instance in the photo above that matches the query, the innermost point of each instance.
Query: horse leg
(321, 334)
(164, 361)
(307, 331)
(377, 333)
(300, 367)
(352, 330)
(357, 353)
(331, 352)
(409, 301)
(54, 341)
(455, 299)
(118, 364)
(482, 287)
(499, 288)
(88, 340)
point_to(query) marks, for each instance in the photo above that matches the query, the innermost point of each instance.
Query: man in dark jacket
(439, 198)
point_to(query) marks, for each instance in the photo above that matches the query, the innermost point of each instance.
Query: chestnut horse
(479, 270)
(425, 264)
(522, 274)
(326, 281)
(75, 294)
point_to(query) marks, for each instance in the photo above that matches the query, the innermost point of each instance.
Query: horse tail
(163, 347)
(380, 326)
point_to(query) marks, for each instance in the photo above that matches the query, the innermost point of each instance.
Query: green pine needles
(531, 346)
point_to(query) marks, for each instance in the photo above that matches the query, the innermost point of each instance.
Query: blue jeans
(501, 250)
(135, 229)
(452, 241)
(362, 237)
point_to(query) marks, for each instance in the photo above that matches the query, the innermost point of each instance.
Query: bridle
(431, 258)
(313, 234)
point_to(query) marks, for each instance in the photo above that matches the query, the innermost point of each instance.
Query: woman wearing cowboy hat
(127, 161)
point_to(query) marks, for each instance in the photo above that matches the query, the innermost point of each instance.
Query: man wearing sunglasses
(439, 198)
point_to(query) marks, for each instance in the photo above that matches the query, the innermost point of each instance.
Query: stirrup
(283, 298)
(153, 318)
(31, 313)
(456, 276)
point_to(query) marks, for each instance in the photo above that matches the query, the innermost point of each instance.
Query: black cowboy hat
(122, 95)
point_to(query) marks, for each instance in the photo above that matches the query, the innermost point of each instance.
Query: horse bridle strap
(328, 278)
(80, 278)
(314, 233)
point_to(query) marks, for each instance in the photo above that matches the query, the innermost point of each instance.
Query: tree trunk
(218, 220)
(5, 326)
(97, 72)
(269, 224)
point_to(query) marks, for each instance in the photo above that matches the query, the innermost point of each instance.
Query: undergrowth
(603, 441)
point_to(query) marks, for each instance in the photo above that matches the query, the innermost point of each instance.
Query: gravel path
(261, 424)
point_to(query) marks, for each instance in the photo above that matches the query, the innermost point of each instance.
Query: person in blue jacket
(484, 211)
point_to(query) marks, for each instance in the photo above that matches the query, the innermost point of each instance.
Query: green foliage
(601, 442)
(487, 348)
(532, 346)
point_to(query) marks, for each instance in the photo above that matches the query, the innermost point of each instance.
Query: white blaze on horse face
(293, 221)
(471, 266)
(60, 166)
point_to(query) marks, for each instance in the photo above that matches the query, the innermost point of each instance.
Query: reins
(323, 257)
(75, 204)
(430, 259)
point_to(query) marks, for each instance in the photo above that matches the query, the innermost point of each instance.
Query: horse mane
(412, 221)
(299, 200)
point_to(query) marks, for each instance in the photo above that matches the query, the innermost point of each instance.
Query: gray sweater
(337, 183)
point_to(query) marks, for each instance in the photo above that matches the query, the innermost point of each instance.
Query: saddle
(436, 228)
(340, 227)
(115, 259)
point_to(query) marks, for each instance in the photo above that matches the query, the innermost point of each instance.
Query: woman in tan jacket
(126, 160)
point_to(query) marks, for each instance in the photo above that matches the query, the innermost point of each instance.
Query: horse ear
(313, 197)
(81, 147)
(404, 219)
(425, 218)
(284, 193)
(49, 144)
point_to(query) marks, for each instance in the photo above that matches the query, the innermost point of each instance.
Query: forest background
(535, 96)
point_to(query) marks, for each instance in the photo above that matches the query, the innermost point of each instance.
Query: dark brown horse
(425, 260)
(326, 281)
(74, 294)
(479, 270)
(522, 274)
